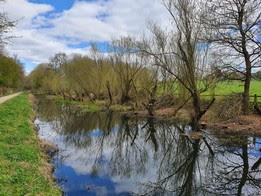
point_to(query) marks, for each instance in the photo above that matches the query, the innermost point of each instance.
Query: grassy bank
(23, 166)
(95, 106)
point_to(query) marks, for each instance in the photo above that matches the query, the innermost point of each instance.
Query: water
(110, 154)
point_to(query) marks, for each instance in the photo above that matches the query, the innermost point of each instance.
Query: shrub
(228, 107)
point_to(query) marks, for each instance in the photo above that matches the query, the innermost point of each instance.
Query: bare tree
(181, 53)
(6, 25)
(126, 64)
(57, 61)
(235, 27)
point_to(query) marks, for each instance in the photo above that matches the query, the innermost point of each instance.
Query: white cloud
(101, 21)
(96, 21)
(24, 11)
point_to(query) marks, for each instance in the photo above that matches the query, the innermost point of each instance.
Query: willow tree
(126, 64)
(235, 27)
(182, 53)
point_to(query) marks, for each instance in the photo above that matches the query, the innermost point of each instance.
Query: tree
(126, 64)
(5, 26)
(235, 27)
(11, 72)
(181, 53)
(57, 61)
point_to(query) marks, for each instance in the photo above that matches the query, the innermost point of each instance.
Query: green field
(226, 88)
(21, 159)
(230, 87)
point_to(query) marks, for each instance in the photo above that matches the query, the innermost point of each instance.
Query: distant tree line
(11, 70)
(11, 74)
(116, 78)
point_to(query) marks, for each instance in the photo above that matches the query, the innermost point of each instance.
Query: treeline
(204, 41)
(11, 75)
(11, 70)
(116, 78)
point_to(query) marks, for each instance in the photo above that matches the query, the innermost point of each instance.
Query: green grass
(230, 87)
(85, 106)
(227, 88)
(91, 107)
(21, 159)
(96, 106)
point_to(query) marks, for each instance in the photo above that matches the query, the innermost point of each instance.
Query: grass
(96, 106)
(91, 107)
(86, 106)
(227, 88)
(21, 159)
(230, 87)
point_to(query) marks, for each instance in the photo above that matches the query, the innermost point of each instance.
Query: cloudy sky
(46, 27)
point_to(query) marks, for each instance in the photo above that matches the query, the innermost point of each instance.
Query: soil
(245, 125)
(166, 113)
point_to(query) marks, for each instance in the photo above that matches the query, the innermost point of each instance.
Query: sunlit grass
(21, 160)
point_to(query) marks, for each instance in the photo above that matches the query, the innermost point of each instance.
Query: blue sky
(59, 5)
(46, 27)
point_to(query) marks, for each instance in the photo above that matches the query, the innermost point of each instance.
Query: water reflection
(110, 154)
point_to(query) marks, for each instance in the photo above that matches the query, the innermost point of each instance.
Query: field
(22, 163)
(227, 88)
(230, 87)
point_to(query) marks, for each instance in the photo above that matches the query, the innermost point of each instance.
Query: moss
(21, 159)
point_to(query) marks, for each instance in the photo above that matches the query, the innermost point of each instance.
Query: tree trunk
(125, 96)
(109, 92)
(245, 170)
(245, 100)
(196, 116)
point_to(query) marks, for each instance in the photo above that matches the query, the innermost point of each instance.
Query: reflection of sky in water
(96, 133)
(86, 184)
(87, 162)
(255, 150)
(76, 168)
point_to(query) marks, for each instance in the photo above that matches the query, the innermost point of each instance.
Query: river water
(110, 154)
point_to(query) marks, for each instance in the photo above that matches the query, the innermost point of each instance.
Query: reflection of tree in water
(174, 156)
(236, 172)
(158, 154)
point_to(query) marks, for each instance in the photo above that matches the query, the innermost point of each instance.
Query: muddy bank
(245, 125)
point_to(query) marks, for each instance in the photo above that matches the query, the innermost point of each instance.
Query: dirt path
(6, 98)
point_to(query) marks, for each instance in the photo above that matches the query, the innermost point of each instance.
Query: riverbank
(244, 125)
(241, 125)
(23, 166)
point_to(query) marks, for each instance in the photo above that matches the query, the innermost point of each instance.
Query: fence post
(255, 99)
